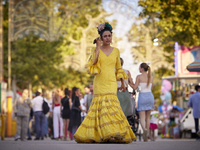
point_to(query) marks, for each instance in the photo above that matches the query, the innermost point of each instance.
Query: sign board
(185, 57)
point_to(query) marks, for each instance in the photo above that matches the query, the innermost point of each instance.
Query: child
(153, 123)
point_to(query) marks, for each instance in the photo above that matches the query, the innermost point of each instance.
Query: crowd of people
(66, 113)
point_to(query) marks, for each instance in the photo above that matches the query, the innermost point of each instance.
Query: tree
(34, 60)
(145, 50)
(177, 20)
(39, 61)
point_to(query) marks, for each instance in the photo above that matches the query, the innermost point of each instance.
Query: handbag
(45, 107)
(74, 108)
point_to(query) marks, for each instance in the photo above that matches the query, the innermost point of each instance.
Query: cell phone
(95, 41)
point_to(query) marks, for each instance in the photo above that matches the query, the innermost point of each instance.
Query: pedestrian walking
(57, 119)
(46, 128)
(39, 116)
(50, 118)
(66, 104)
(105, 120)
(194, 103)
(22, 111)
(145, 101)
(75, 114)
(29, 124)
(125, 97)
(153, 123)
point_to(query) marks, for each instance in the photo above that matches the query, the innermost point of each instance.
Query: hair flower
(101, 26)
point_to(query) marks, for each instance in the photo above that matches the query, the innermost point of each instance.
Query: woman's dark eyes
(108, 36)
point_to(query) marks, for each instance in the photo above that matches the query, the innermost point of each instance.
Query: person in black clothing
(30, 118)
(65, 112)
(75, 114)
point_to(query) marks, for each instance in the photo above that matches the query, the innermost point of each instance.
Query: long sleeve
(15, 106)
(93, 69)
(120, 73)
(190, 102)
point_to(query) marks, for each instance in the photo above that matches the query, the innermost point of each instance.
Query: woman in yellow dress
(105, 121)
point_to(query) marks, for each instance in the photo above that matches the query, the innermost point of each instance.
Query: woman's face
(107, 37)
(78, 92)
(140, 69)
(25, 94)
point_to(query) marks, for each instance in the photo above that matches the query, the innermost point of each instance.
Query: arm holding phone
(98, 45)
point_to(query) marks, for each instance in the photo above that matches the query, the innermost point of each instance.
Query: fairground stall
(183, 83)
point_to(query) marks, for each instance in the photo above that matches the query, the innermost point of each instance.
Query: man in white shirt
(39, 116)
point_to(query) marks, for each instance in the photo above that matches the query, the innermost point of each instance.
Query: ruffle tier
(105, 122)
(120, 74)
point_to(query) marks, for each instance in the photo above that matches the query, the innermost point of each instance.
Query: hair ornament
(101, 27)
(104, 26)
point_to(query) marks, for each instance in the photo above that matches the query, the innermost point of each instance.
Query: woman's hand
(136, 105)
(123, 88)
(98, 44)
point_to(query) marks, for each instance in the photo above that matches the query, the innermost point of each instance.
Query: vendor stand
(187, 75)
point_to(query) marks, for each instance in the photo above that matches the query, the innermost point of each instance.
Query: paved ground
(48, 144)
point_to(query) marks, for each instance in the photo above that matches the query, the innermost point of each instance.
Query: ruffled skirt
(105, 122)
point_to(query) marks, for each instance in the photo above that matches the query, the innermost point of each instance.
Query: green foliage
(177, 20)
(174, 21)
(37, 61)
(34, 60)
(70, 20)
(70, 78)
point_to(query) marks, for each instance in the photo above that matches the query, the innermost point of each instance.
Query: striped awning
(194, 67)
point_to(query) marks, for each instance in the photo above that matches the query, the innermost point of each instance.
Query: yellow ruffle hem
(105, 122)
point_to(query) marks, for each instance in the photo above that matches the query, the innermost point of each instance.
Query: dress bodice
(107, 71)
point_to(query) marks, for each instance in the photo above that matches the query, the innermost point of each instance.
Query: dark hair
(197, 87)
(122, 61)
(101, 33)
(66, 92)
(146, 68)
(74, 89)
(107, 27)
(37, 93)
(87, 86)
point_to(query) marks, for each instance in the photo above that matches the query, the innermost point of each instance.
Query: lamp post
(1, 41)
(9, 98)
(1, 47)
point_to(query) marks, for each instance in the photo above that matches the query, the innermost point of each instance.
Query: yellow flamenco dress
(105, 120)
